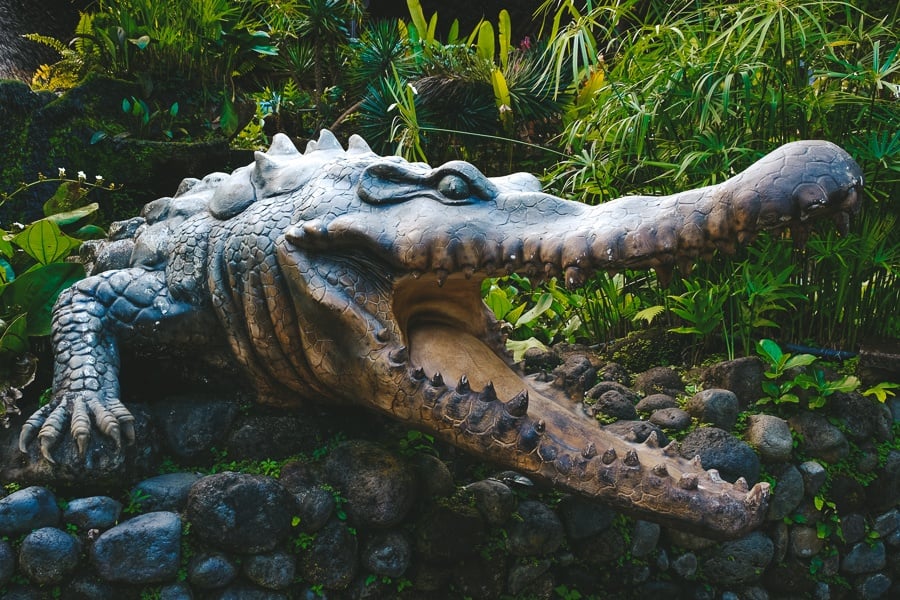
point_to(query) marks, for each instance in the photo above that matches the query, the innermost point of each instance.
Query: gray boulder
(145, 549)
(164, 492)
(379, 487)
(770, 436)
(537, 533)
(95, 512)
(720, 450)
(714, 406)
(740, 561)
(211, 570)
(274, 571)
(28, 509)
(47, 555)
(239, 512)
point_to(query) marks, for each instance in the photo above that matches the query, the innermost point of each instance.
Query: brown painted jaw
(457, 380)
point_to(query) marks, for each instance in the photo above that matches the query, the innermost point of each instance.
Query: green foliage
(691, 94)
(135, 501)
(785, 374)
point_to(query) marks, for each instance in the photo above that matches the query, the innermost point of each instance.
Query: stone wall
(366, 509)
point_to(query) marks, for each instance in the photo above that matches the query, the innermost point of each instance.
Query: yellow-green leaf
(485, 46)
(504, 34)
(45, 242)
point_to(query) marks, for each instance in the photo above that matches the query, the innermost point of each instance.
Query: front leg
(89, 320)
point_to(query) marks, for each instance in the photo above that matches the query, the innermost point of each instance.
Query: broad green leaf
(519, 347)
(504, 35)
(173, 110)
(498, 302)
(14, 340)
(542, 305)
(126, 105)
(89, 232)
(77, 217)
(228, 119)
(68, 195)
(6, 247)
(417, 16)
(98, 136)
(35, 291)
(485, 47)
(800, 360)
(770, 350)
(44, 242)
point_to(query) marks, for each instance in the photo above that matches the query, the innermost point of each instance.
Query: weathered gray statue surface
(351, 277)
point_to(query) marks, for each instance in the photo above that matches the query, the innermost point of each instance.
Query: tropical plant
(694, 92)
(33, 272)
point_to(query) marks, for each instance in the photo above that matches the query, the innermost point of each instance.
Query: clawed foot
(48, 423)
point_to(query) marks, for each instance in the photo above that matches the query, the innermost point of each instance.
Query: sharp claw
(128, 431)
(47, 445)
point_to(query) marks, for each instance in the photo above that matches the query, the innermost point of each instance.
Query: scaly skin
(356, 278)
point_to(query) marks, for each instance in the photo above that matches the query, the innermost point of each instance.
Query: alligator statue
(345, 275)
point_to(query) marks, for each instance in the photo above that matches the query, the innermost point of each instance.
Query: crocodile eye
(453, 187)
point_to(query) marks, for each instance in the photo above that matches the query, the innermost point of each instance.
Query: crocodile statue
(344, 275)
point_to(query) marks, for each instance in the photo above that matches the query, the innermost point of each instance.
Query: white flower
(81, 176)
(98, 179)
(62, 172)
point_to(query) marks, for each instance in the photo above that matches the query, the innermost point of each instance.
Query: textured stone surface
(273, 571)
(583, 518)
(654, 402)
(864, 558)
(331, 559)
(537, 533)
(240, 512)
(717, 407)
(379, 487)
(211, 570)
(788, 493)
(820, 439)
(674, 419)
(145, 549)
(387, 553)
(743, 376)
(494, 500)
(741, 561)
(770, 436)
(28, 509)
(95, 512)
(48, 555)
(164, 492)
(720, 450)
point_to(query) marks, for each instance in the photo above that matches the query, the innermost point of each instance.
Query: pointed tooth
(383, 335)
(550, 270)
(540, 426)
(574, 277)
(670, 450)
(418, 374)
(589, 451)
(46, 447)
(509, 268)
(652, 440)
(664, 275)
(758, 495)
(488, 394)
(437, 380)
(415, 274)
(609, 456)
(441, 276)
(518, 406)
(632, 459)
(463, 386)
(399, 356)
(357, 145)
(468, 272)
(714, 476)
(282, 146)
(741, 485)
(660, 470)
(311, 146)
(696, 462)
(327, 141)
(688, 481)
(531, 269)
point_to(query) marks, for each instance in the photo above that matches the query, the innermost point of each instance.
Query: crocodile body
(344, 275)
